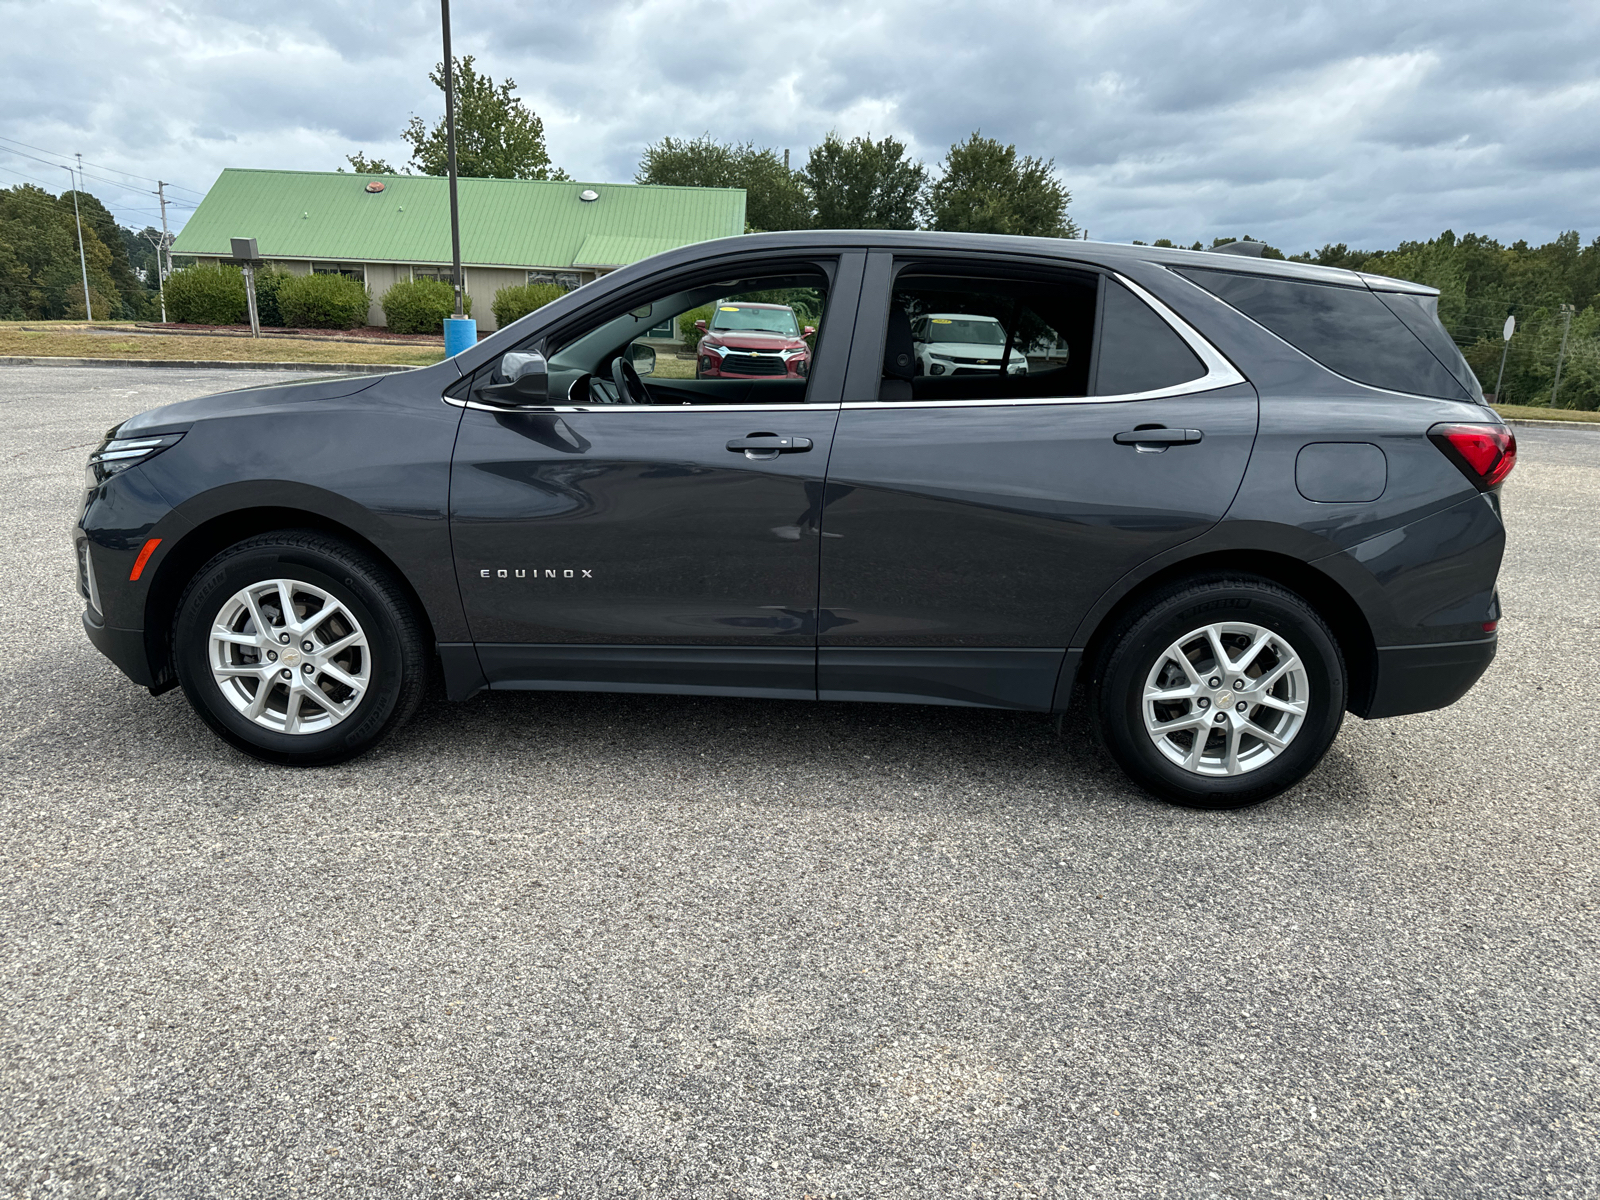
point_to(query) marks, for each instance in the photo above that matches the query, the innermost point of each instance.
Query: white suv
(963, 344)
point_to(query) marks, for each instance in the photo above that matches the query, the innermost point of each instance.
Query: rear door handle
(770, 443)
(1158, 436)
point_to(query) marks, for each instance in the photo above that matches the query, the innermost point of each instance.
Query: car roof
(1106, 254)
(752, 304)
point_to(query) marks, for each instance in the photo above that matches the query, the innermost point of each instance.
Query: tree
(862, 184)
(362, 165)
(986, 188)
(497, 135)
(130, 292)
(39, 272)
(775, 197)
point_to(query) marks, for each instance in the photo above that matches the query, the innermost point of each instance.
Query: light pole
(83, 263)
(1566, 314)
(460, 333)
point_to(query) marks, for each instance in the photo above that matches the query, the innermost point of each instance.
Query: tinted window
(1421, 315)
(1348, 330)
(1139, 352)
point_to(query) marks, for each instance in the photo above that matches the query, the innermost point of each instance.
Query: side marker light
(144, 557)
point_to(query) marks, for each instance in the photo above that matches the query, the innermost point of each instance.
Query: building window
(567, 281)
(355, 271)
(438, 274)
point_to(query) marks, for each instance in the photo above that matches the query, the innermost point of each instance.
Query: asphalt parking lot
(545, 945)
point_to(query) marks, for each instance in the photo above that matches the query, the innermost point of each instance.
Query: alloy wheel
(1225, 699)
(289, 656)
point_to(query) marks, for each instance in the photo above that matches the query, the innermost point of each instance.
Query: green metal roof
(330, 215)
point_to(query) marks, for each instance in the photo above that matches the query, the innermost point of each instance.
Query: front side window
(746, 340)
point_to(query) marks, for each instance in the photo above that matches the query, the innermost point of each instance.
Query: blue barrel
(460, 333)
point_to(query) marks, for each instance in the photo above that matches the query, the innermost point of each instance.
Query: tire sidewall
(351, 586)
(1162, 625)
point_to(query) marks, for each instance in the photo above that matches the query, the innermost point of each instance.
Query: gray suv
(1218, 503)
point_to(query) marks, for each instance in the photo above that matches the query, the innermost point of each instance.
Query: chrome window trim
(1220, 373)
(650, 408)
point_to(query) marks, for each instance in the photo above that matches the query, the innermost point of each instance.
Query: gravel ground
(576, 946)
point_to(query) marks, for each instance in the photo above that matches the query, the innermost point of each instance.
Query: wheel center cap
(289, 657)
(1224, 699)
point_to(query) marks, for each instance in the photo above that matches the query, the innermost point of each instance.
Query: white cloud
(1363, 122)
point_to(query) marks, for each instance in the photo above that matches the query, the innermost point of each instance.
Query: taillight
(1485, 453)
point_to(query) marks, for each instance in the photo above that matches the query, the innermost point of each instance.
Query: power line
(99, 166)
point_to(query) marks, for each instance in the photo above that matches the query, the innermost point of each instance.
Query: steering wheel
(630, 387)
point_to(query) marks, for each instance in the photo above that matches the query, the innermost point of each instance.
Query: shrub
(420, 306)
(268, 282)
(513, 302)
(691, 335)
(206, 295)
(323, 302)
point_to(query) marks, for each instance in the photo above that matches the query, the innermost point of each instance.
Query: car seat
(899, 357)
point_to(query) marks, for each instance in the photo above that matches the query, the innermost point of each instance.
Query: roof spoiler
(1248, 249)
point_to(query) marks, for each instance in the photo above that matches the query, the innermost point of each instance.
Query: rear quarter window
(1139, 352)
(1346, 329)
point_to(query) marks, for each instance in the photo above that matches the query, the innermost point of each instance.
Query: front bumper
(125, 647)
(1413, 679)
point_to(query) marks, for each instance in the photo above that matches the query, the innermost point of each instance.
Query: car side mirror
(527, 379)
(809, 330)
(701, 326)
(643, 358)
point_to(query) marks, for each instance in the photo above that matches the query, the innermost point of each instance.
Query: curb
(193, 363)
(1586, 426)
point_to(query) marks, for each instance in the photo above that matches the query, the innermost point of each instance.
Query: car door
(974, 512)
(664, 541)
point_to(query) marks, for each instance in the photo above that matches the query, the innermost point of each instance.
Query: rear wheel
(298, 649)
(1220, 692)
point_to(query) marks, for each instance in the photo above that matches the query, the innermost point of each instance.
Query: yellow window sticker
(941, 321)
(728, 308)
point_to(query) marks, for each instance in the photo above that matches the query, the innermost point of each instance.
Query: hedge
(323, 302)
(268, 282)
(206, 295)
(691, 335)
(513, 302)
(420, 306)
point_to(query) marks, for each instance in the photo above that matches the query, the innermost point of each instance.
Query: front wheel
(1220, 693)
(298, 649)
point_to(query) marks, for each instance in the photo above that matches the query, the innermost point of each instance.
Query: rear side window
(1139, 352)
(1348, 330)
(1421, 316)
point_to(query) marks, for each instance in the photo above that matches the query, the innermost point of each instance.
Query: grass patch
(1531, 412)
(65, 344)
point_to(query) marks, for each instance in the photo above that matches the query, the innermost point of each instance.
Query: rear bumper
(1414, 679)
(125, 647)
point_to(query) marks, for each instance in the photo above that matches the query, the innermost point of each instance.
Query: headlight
(118, 454)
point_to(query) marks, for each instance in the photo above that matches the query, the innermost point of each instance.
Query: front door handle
(767, 444)
(1158, 435)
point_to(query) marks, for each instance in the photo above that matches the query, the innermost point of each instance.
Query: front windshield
(760, 320)
(954, 329)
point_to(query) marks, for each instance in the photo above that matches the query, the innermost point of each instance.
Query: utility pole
(166, 240)
(460, 331)
(161, 284)
(450, 148)
(83, 263)
(1566, 328)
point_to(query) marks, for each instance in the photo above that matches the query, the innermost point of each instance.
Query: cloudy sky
(1300, 123)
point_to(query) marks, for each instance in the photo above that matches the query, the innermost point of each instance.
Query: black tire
(1138, 647)
(394, 639)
